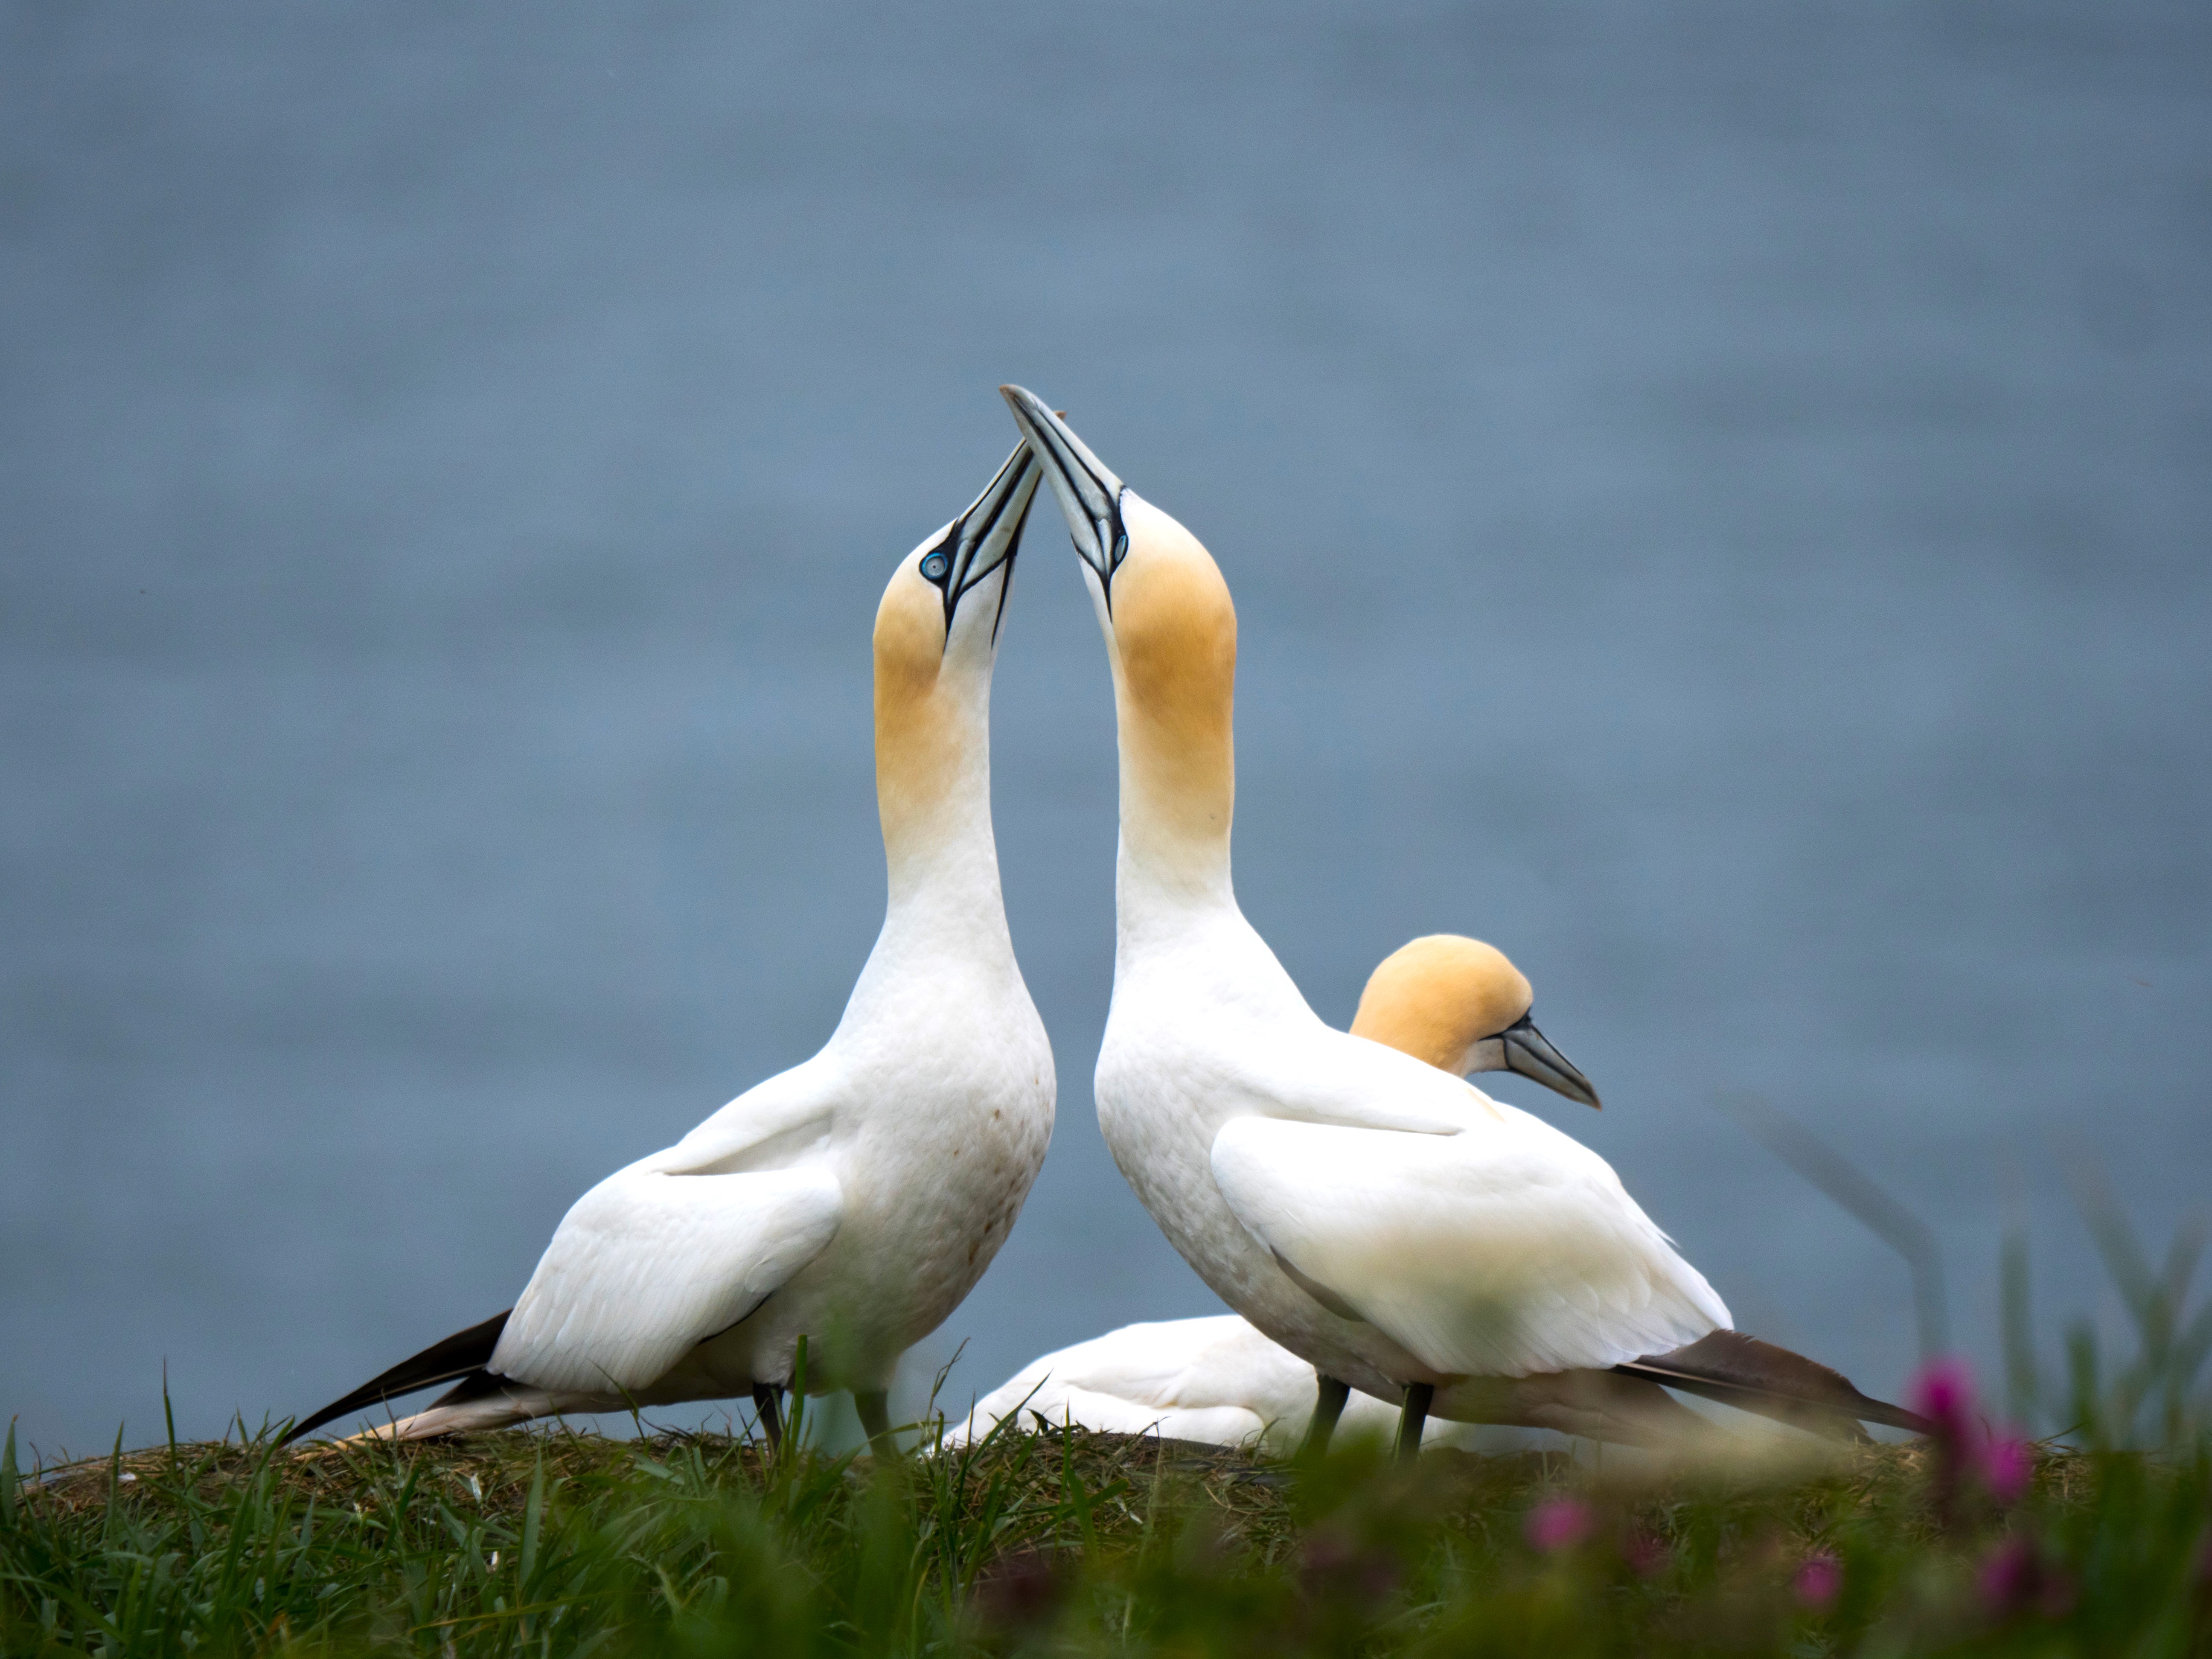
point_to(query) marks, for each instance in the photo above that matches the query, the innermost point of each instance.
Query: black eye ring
(935, 566)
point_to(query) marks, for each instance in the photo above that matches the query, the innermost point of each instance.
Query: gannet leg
(765, 1398)
(1329, 1406)
(1413, 1419)
(875, 1410)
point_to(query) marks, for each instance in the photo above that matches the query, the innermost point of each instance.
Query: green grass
(550, 1543)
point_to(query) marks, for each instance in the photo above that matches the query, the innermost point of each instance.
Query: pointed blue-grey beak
(1529, 1052)
(985, 537)
(1089, 494)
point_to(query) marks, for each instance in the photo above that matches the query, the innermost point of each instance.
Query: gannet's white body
(1214, 1380)
(855, 1199)
(1384, 1220)
(1458, 1005)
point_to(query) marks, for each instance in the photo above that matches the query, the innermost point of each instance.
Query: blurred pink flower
(1818, 1582)
(1966, 1452)
(1944, 1393)
(2015, 1579)
(1647, 1557)
(1336, 1562)
(2008, 1465)
(1560, 1523)
(2007, 1576)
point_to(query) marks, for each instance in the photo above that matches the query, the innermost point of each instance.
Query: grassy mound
(551, 1543)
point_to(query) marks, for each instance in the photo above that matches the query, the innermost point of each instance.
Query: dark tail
(462, 1355)
(1753, 1376)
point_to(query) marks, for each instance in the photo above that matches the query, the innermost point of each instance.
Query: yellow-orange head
(1170, 632)
(936, 639)
(1461, 1005)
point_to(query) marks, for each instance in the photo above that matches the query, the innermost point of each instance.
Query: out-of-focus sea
(1717, 497)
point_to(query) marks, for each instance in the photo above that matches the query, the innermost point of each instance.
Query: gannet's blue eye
(935, 566)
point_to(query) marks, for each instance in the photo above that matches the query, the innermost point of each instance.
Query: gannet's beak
(984, 537)
(1527, 1052)
(1089, 494)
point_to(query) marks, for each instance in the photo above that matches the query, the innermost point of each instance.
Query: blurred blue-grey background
(1718, 495)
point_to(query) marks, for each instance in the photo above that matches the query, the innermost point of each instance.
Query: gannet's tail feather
(1627, 1411)
(1759, 1376)
(460, 1357)
(483, 1402)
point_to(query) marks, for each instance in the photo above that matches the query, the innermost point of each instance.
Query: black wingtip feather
(1742, 1371)
(458, 1356)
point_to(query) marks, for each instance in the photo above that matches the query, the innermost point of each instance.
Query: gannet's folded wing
(1493, 1255)
(1355, 1083)
(772, 1125)
(647, 1265)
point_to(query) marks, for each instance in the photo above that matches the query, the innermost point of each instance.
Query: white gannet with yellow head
(1461, 1005)
(857, 1198)
(1458, 1003)
(1381, 1218)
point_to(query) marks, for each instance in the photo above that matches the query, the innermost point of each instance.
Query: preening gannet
(855, 1199)
(1382, 1219)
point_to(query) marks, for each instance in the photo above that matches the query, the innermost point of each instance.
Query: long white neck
(933, 794)
(1172, 644)
(1171, 873)
(943, 864)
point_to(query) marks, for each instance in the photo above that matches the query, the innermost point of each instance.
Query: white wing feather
(1212, 1379)
(1216, 1379)
(647, 1265)
(1504, 1250)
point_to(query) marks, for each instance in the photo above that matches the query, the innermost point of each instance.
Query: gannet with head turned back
(1459, 1004)
(1382, 1220)
(855, 1199)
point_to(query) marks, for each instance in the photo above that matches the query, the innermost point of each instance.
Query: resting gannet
(855, 1199)
(1382, 1218)
(1214, 1380)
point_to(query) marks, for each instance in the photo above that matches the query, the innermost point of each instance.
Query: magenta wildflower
(1943, 1392)
(2008, 1465)
(1335, 1563)
(1965, 1450)
(1818, 1582)
(2017, 1579)
(1647, 1557)
(1559, 1523)
(2007, 1576)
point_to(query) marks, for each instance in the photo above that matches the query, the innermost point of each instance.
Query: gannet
(855, 1199)
(1460, 1005)
(1214, 1380)
(1382, 1219)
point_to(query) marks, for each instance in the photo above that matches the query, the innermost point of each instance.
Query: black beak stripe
(1089, 495)
(967, 552)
